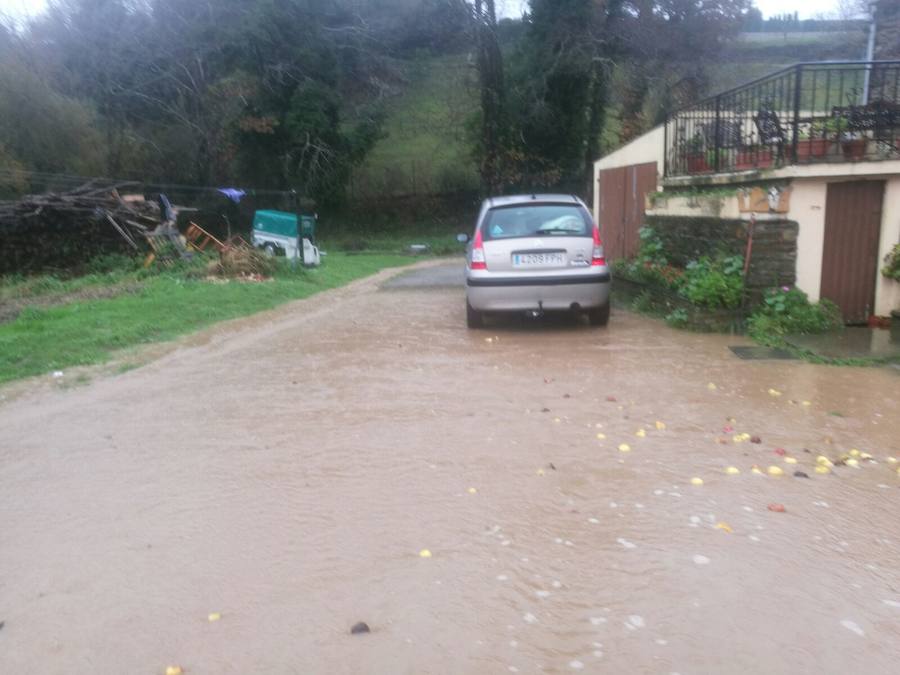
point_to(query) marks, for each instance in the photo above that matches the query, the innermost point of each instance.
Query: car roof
(510, 200)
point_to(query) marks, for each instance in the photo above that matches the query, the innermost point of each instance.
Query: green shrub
(677, 318)
(650, 265)
(784, 311)
(891, 267)
(714, 284)
(643, 303)
(651, 248)
(711, 283)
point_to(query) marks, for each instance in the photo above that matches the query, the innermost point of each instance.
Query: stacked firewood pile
(61, 230)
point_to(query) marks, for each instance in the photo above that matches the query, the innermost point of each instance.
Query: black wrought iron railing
(812, 112)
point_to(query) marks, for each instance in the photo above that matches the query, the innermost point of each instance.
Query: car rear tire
(599, 316)
(474, 318)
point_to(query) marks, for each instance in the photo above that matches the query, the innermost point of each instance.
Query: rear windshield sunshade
(536, 220)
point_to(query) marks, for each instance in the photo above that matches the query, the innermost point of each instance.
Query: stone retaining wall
(773, 260)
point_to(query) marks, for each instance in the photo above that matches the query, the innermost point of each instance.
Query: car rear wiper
(556, 230)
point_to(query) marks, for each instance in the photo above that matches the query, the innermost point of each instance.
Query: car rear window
(536, 220)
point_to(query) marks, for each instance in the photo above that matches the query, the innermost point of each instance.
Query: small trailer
(283, 233)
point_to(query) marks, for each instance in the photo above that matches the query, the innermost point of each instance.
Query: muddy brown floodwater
(286, 472)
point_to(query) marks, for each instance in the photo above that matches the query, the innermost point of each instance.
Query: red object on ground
(780, 451)
(778, 508)
(611, 399)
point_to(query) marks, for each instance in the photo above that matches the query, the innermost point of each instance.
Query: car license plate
(557, 259)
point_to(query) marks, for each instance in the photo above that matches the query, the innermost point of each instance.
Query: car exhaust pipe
(539, 312)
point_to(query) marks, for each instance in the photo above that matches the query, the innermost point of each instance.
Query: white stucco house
(816, 146)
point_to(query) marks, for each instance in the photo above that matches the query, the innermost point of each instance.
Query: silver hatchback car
(536, 253)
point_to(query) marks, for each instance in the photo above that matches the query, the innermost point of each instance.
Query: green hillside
(427, 144)
(426, 148)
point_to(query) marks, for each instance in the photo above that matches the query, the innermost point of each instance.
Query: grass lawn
(157, 308)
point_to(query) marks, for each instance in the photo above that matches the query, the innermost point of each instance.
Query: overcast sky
(807, 8)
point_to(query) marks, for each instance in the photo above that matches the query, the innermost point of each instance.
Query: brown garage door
(850, 255)
(622, 194)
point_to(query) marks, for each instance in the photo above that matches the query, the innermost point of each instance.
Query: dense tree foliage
(578, 56)
(275, 93)
(290, 94)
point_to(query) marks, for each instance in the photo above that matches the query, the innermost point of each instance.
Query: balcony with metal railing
(810, 113)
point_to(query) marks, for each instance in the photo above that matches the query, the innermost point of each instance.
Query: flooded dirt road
(288, 471)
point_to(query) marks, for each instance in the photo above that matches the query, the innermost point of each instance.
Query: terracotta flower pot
(698, 164)
(812, 147)
(854, 149)
(754, 159)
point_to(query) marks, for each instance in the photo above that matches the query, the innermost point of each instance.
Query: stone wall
(774, 258)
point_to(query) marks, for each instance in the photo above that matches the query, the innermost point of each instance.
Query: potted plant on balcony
(696, 155)
(754, 157)
(853, 143)
(814, 142)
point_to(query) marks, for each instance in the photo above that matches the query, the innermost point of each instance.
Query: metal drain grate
(761, 353)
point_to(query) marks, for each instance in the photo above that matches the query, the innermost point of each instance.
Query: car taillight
(597, 256)
(478, 260)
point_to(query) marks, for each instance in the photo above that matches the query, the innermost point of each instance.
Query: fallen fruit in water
(854, 452)
(822, 460)
(696, 481)
(711, 386)
(725, 527)
(640, 433)
(472, 490)
(601, 436)
(775, 471)
(790, 460)
(660, 425)
(732, 471)
(624, 447)
(755, 439)
(774, 392)
(360, 627)
(778, 508)
(756, 469)
(822, 469)
(424, 553)
(780, 451)
(852, 462)
(892, 460)
(213, 616)
(174, 670)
